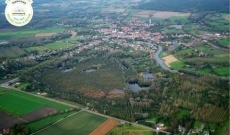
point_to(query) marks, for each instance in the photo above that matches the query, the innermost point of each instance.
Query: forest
(187, 5)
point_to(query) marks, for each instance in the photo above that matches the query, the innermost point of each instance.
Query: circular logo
(19, 12)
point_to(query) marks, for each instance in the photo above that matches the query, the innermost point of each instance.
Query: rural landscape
(133, 67)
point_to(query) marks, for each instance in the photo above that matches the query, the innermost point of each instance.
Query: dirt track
(169, 59)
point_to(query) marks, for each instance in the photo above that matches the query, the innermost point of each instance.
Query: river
(160, 61)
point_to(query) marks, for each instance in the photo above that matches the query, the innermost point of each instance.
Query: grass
(130, 130)
(18, 103)
(40, 49)
(40, 124)
(224, 42)
(152, 119)
(3, 90)
(29, 32)
(224, 71)
(224, 129)
(177, 65)
(182, 113)
(197, 124)
(23, 85)
(58, 45)
(205, 70)
(82, 123)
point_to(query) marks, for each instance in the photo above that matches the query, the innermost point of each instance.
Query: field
(224, 71)
(182, 113)
(105, 128)
(82, 123)
(37, 125)
(130, 130)
(177, 65)
(40, 35)
(225, 42)
(19, 33)
(11, 52)
(158, 14)
(18, 103)
(39, 49)
(169, 59)
(58, 45)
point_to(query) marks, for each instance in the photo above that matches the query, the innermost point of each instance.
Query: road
(83, 109)
(161, 62)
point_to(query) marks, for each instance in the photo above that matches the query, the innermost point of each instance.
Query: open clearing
(18, 103)
(159, 14)
(82, 123)
(105, 128)
(40, 35)
(169, 59)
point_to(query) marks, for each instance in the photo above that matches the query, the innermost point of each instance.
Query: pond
(134, 87)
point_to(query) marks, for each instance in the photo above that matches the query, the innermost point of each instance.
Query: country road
(83, 109)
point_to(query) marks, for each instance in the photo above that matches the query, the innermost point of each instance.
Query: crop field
(58, 45)
(130, 130)
(10, 52)
(177, 65)
(82, 123)
(37, 125)
(29, 32)
(17, 103)
(40, 35)
(105, 128)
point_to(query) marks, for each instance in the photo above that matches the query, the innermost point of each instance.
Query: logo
(19, 12)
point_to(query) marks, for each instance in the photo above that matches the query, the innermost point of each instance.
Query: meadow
(224, 42)
(11, 52)
(58, 45)
(19, 33)
(39, 49)
(18, 103)
(82, 123)
(130, 129)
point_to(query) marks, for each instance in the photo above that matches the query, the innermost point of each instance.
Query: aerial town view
(114, 67)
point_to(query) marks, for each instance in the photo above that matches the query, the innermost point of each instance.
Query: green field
(29, 32)
(222, 71)
(39, 49)
(177, 65)
(182, 113)
(40, 124)
(58, 45)
(224, 42)
(197, 124)
(205, 70)
(129, 130)
(18, 103)
(82, 123)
